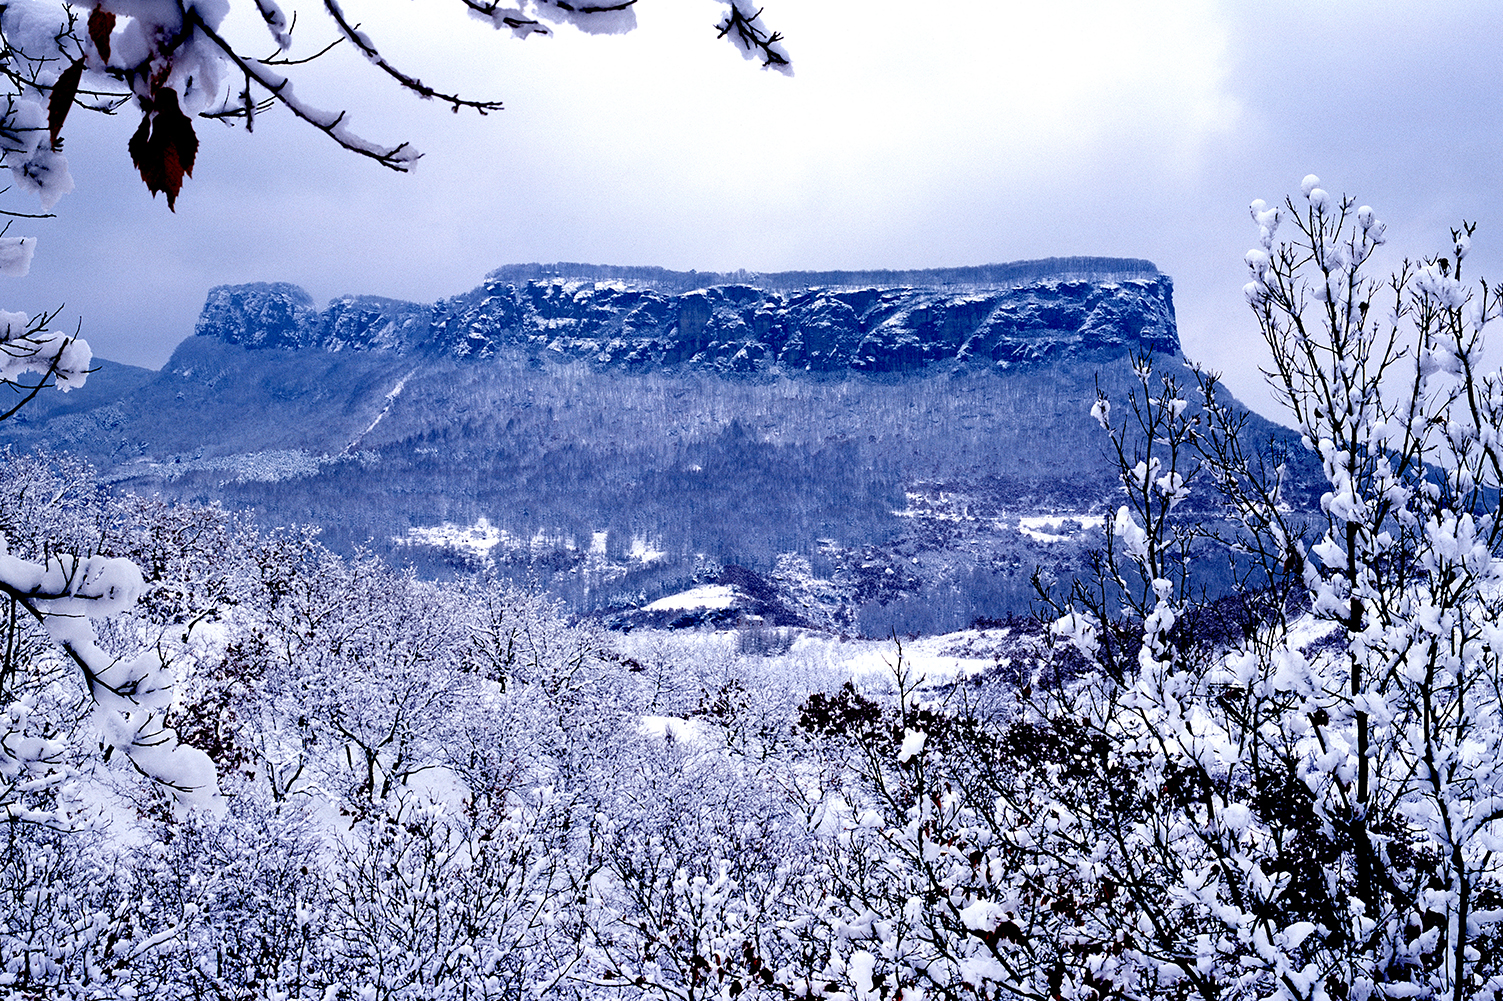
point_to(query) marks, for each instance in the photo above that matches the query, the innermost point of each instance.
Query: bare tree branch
(369, 50)
(398, 158)
(748, 33)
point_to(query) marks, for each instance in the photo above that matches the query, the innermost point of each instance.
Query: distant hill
(1017, 273)
(900, 440)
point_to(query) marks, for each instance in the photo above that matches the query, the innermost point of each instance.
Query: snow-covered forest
(236, 764)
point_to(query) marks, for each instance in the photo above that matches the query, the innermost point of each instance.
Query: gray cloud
(980, 133)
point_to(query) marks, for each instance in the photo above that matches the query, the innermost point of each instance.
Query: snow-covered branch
(173, 60)
(65, 595)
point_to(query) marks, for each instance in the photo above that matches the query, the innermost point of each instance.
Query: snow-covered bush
(418, 800)
(110, 688)
(1308, 811)
(429, 904)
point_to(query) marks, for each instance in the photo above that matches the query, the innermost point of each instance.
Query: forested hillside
(618, 441)
(235, 762)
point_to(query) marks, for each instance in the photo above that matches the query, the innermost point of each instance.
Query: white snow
(15, 257)
(913, 744)
(674, 728)
(64, 358)
(705, 596)
(952, 507)
(391, 398)
(1058, 528)
(643, 551)
(479, 538)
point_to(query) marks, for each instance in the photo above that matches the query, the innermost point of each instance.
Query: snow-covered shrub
(702, 866)
(1290, 794)
(1308, 811)
(104, 684)
(427, 904)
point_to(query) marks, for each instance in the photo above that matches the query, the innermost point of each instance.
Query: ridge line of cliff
(1024, 313)
(1092, 269)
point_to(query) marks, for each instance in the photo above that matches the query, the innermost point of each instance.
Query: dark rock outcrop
(372, 323)
(259, 315)
(1001, 315)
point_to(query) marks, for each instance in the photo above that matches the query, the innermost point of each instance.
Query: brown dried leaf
(141, 155)
(61, 100)
(101, 23)
(164, 147)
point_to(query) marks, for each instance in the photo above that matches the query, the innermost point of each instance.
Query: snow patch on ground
(705, 596)
(826, 661)
(642, 551)
(477, 539)
(1059, 528)
(680, 731)
(482, 538)
(391, 398)
(931, 659)
(440, 786)
(945, 506)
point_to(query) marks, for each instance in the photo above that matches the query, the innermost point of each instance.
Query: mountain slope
(620, 440)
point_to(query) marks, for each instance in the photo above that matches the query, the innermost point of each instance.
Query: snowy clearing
(710, 596)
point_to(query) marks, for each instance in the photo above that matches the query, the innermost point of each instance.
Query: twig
(397, 158)
(751, 35)
(369, 50)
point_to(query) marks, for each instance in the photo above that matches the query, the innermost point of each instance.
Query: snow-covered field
(481, 538)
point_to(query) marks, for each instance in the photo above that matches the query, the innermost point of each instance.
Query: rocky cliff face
(281, 315)
(681, 437)
(1002, 316)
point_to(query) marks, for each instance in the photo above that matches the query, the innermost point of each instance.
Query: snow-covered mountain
(622, 435)
(1071, 308)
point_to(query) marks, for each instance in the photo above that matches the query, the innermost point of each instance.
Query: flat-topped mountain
(879, 450)
(1003, 315)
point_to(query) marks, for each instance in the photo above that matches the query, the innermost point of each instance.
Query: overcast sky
(911, 136)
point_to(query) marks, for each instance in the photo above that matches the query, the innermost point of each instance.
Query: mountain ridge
(1030, 312)
(923, 448)
(1012, 272)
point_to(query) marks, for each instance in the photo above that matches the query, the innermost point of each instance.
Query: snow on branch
(130, 696)
(745, 29)
(276, 23)
(400, 157)
(28, 348)
(368, 49)
(608, 18)
(172, 60)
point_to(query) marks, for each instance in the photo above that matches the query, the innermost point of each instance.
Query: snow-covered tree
(55, 584)
(1294, 793)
